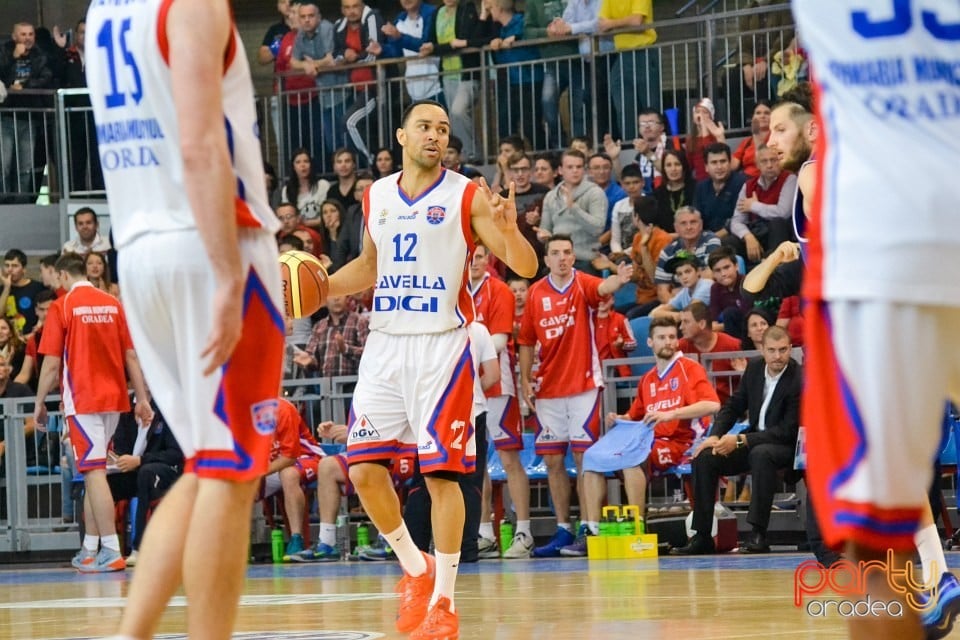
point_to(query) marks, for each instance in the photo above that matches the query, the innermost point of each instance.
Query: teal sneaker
(320, 553)
(294, 547)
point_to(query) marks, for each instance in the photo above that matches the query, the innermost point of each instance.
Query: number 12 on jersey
(403, 245)
(105, 40)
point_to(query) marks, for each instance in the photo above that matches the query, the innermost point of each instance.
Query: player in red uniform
(86, 331)
(495, 306)
(613, 334)
(566, 392)
(670, 397)
(293, 463)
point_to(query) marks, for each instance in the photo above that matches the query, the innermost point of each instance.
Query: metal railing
(41, 492)
(50, 153)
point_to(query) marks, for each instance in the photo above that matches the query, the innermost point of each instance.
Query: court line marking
(181, 601)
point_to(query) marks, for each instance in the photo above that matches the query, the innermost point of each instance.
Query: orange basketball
(305, 283)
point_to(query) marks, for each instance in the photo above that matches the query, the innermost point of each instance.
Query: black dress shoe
(697, 546)
(756, 544)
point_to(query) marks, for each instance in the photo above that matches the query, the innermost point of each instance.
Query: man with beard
(670, 397)
(882, 262)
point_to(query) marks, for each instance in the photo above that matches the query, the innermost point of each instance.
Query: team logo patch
(363, 431)
(264, 416)
(546, 304)
(674, 384)
(653, 389)
(436, 214)
(383, 217)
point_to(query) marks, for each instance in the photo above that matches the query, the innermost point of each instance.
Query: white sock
(594, 527)
(566, 526)
(410, 557)
(110, 542)
(932, 560)
(91, 543)
(486, 530)
(328, 534)
(523, 526)
(447, 564)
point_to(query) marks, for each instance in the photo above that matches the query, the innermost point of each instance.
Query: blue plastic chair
(494, 466)
(640, 328)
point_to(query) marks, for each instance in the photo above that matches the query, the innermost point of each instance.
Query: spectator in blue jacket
(518, 99)
(404, 38)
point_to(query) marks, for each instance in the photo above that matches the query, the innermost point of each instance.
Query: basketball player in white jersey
(176, 126)
(415, 388)
(883, 297)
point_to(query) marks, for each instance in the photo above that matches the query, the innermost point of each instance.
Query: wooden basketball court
(709, 597)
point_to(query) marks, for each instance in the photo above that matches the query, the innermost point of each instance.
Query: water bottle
(625, 527)
(506, 535)
(608, 528)
(276, 545)
(343, 535)
(363, 536)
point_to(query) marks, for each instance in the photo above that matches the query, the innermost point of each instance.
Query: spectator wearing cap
(704, 132)
(692, 238)
(685, 267)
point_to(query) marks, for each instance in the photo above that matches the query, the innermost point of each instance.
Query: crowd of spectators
(688, 215)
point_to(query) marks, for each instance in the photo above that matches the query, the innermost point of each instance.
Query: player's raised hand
(504, 209)
(625, 271)
(225, 333)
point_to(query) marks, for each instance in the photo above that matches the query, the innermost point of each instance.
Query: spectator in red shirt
(613, 334)
(745, 157)
(699, 337)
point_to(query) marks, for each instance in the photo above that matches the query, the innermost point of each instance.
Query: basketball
(305, 283)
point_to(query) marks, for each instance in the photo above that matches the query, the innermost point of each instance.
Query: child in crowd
(685, 267)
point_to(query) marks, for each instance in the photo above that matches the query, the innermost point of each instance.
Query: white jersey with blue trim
(885, 215)
(423, 246)
(138, 135)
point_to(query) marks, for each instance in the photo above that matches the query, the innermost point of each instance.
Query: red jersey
(494, 306)
(88, 330)
(725, 342)
(309, 447)
(608, 330)
(561, 320)
(286, 439)
(682, 383)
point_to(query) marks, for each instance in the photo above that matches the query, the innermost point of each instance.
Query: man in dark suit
(145, 472)
(769, 393)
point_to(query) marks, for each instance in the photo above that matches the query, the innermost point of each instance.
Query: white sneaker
(487, 548)
(132, 558)
(521, 547)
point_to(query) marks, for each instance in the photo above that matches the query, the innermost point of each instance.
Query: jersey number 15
(116, 46)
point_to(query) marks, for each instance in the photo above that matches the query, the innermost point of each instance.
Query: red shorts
(665, 454)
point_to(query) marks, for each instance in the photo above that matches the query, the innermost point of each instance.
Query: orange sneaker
(415, 593)
(440, 623)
